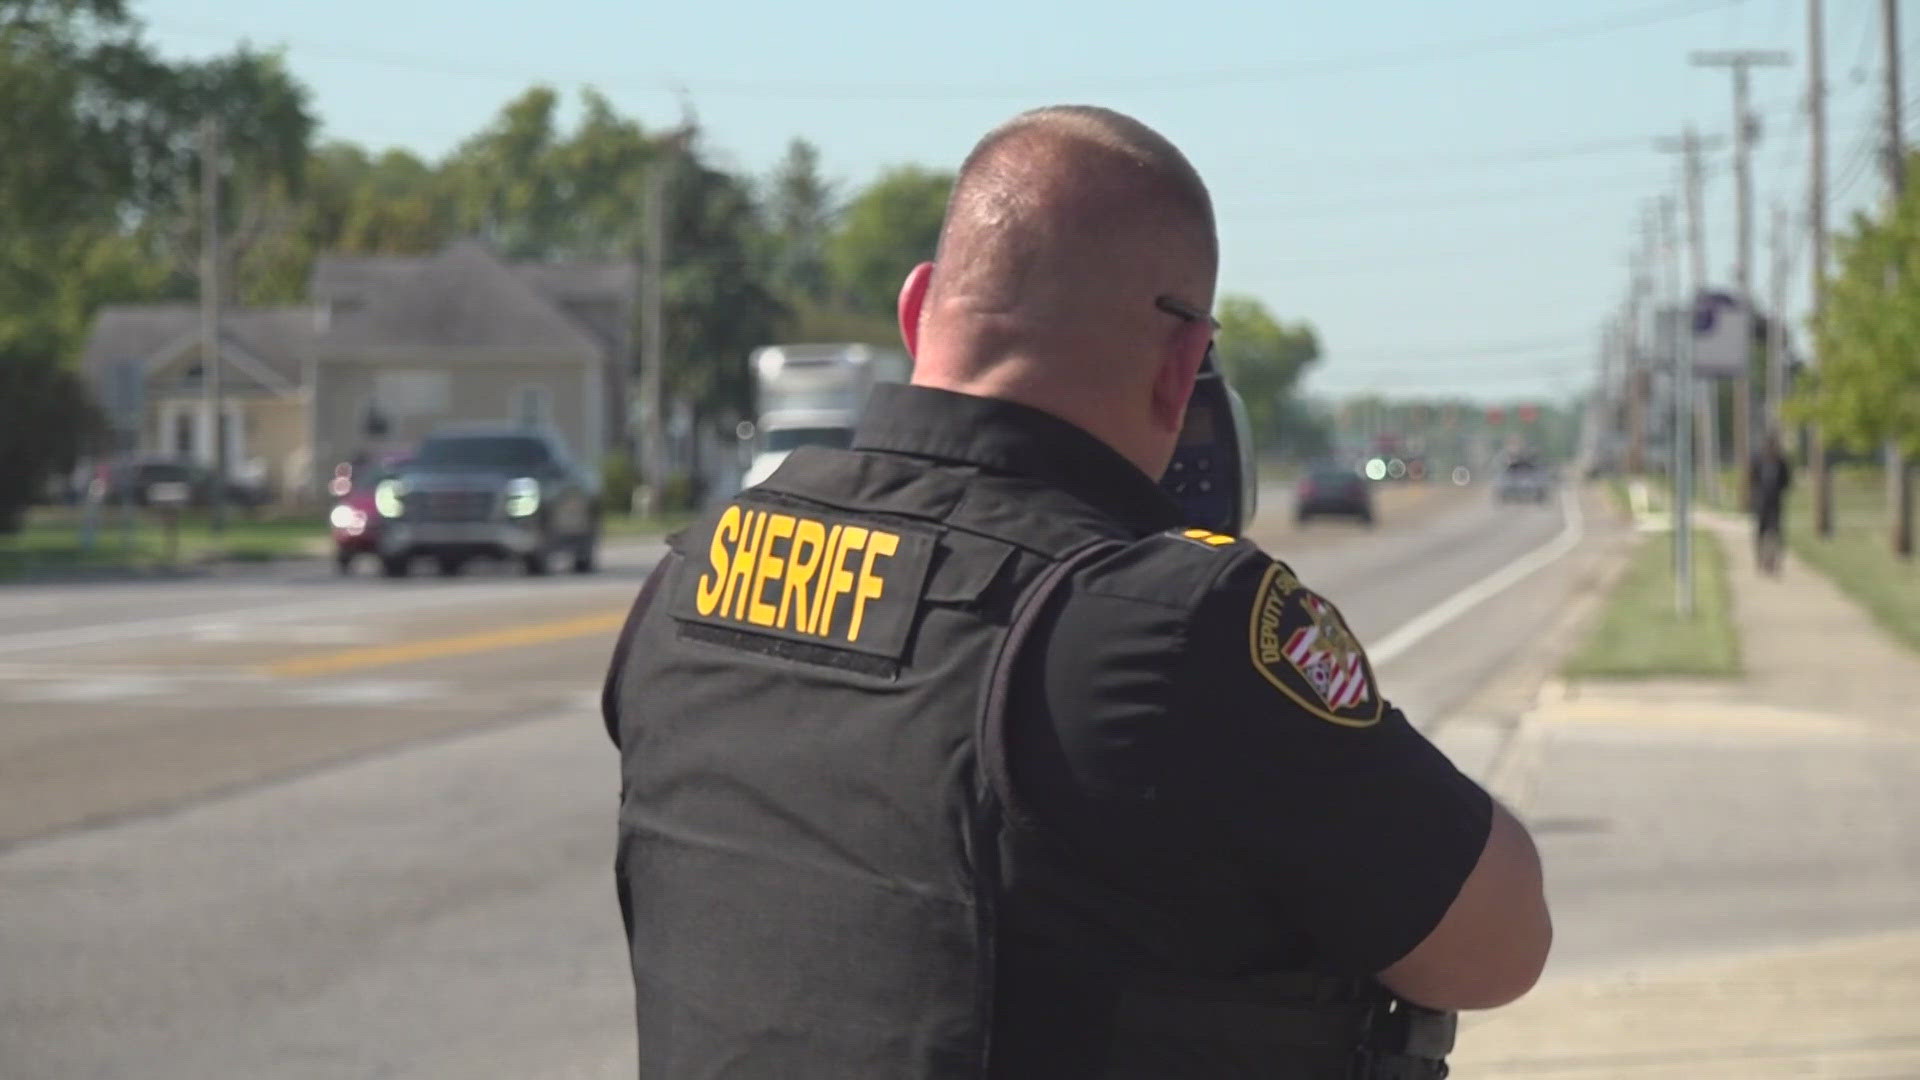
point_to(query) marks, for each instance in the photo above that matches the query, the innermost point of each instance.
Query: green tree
(1264, 359)
(537, 190)
(73, 78)
(504, 183)
(720, 301)
(1865, 391)
(800, 217)
(46, 420)
(890, 226)
(105, 206)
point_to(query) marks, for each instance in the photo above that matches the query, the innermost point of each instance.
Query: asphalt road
(278, 824)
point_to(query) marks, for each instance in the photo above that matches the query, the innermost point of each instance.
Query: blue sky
(1447, 190)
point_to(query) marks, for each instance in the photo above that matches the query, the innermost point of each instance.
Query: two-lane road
(238, 835)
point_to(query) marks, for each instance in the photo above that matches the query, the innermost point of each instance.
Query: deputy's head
(1075, 269)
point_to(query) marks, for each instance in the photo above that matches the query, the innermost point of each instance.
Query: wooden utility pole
(1744, 124)
(1691, 146)
(652, 442)
(1681, 471)
(653, 447)
(1899, 487)
(1817, 258)
(1777, 322)
(214, 399)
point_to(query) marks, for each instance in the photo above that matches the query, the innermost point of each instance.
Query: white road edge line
(1418, 628)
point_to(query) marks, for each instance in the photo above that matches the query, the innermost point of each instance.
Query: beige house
(387, 349)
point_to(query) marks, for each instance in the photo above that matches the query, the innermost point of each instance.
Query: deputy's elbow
(1491, 946)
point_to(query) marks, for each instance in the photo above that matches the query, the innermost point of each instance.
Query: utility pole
(1899, 489)
(1744, 125)
(1646, 271)
(1683, 398)
(1817, 222)
(1777, 321)
(653, 449)
(215, 403)
(1691, 146)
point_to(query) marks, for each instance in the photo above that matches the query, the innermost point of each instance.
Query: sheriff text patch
(813, 580)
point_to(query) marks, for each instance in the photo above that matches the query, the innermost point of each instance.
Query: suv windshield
(781, 439)
(503, 453)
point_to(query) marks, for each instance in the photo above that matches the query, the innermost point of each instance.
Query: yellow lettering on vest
(733, 600)
(727, 530)
(778, 527)
(803, 557)
(882, 544)
(839, 578)
(822, 617)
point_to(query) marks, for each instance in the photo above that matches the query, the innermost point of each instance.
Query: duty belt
(1378, 1036)
(1404, 1041)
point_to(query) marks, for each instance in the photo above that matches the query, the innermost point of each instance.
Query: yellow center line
(329, 663)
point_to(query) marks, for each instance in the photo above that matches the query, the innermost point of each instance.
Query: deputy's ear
(1179, 366)
(913, 300)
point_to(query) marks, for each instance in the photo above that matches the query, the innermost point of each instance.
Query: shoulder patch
(1300, 644)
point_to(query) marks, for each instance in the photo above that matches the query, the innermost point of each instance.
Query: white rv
(811, 395)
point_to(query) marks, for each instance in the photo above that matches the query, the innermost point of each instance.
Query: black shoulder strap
(998, 803)
(992, 733)
(610, 689)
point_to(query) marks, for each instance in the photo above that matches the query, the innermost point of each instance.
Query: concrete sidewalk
(1849, 1009)
(1806, 645)
(1816, 666)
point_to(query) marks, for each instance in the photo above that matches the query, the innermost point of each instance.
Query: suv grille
(450, 506)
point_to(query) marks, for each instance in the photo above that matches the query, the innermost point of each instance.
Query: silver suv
(490, 492)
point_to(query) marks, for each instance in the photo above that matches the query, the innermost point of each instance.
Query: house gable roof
(465, 297)
(265, 346)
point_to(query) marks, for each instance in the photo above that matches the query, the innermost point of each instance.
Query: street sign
(1723, 329)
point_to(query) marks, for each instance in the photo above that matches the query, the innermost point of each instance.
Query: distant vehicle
(1331, 491)
(148, 482)
(487, 491)
(811, 395)
(1524, 480)
(354, 519)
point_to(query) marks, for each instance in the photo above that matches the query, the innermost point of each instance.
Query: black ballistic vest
(815, 832)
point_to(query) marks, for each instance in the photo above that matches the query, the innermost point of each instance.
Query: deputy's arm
(1491, 944)
(1363, 834)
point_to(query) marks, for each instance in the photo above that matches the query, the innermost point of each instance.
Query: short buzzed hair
(1055, 182)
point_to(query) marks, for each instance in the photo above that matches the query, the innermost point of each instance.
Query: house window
(532, 406)
(183, 432)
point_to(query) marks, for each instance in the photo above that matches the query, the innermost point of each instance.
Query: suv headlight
(387, 498)
(523, 497)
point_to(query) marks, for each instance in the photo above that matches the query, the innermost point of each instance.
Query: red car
(354, 518)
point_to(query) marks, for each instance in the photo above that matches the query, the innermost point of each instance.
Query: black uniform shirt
(1198, 735)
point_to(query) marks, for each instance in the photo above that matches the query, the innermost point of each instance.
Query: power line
(1410, 56)
(1584, 188)
(1497, 348)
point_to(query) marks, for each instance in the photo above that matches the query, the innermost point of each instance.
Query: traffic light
(1496, 417)
(1529, 413)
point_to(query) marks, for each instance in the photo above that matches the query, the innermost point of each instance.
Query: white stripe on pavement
(1418, 628)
